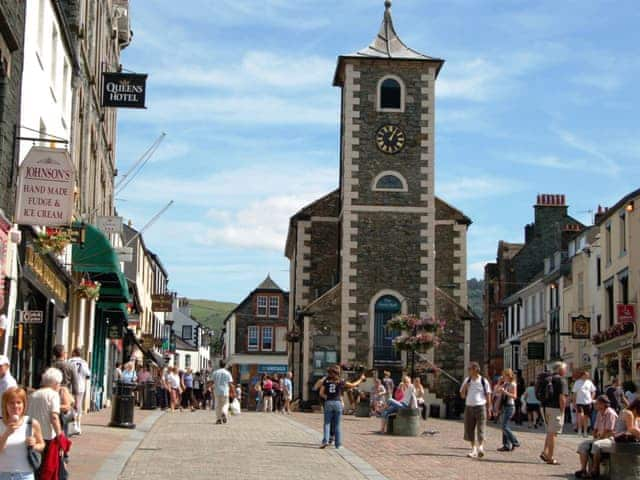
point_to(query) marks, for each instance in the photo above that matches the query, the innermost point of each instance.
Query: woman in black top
(331, 391)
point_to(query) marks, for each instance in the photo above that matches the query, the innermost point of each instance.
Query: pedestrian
(61, 363)
(419, 389)
(162, 393)
(616, 395)
(377, 398)
(257, 388)
(277, 393)
(389, 385)
(197, 390)
(533, 406)
(584, 392)
(222, 381)
(287, 392)
(553, 392)
(18, 432)
(82, 375)
(129, 374)
(6, 379)
(331, 391)
(267, 394)
(188, 399)
(508, 389)
(607, 424)
(173, 382)
(476, 392)
(519, 414)
(44, 407)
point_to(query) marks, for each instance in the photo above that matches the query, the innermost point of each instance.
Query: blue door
(386, 308)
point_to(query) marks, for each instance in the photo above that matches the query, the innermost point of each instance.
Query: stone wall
(12, 17)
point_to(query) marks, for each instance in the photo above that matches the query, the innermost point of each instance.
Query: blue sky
(534, 97)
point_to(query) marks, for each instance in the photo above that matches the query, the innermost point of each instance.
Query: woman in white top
(14, 440)
(417, 385)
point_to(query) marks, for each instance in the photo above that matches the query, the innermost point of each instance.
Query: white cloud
(469, 188)
(606, 162)
(562, 163)
(607, 82)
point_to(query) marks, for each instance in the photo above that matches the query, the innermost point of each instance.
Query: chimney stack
(550, 200)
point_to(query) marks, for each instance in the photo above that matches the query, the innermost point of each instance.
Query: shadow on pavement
(294, 445)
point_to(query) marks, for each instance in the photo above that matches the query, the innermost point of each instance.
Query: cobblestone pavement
(251, 446)
(443, 455)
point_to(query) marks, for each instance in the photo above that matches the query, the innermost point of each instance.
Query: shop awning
(98, 258)
(114, 313)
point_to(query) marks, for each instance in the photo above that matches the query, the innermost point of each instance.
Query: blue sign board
(273, 369)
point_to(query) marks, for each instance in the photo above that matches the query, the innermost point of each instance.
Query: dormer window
(390, 182)
(390, 94)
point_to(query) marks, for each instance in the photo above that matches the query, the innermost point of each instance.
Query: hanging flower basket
(617, 330)
(52, 241)
(415, 343)
(293, 336)
(89, 290)
(419, 334)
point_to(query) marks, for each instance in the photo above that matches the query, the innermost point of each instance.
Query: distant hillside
(475, 288)
(210, 312)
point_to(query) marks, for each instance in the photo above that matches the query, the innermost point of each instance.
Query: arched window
(390, 94)
(390, 182)
(386, 308)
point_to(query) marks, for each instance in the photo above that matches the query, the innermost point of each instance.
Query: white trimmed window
(252, 338)
(391, 94)
(389, 182)
(274, 304)
(262, 306)
(267, 339)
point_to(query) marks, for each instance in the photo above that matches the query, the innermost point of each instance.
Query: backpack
(544, 388)
(483, 382)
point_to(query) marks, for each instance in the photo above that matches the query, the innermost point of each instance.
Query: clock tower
(387, 201)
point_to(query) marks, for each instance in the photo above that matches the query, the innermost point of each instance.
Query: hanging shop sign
(5, 227)
(114, 332)
(626, 313)
(45, 188)
(125, 254)
(161, 303)
(580, 327)
(109, 224)
(125, 90)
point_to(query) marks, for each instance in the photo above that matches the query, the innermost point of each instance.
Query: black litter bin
(149, 396)
(122, 406)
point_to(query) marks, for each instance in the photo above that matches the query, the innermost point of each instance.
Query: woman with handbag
(21, 442)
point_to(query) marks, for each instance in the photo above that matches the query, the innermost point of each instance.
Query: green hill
(210, 312)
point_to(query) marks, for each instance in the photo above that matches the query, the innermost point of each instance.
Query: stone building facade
(255, 337)
(517, 266)
(382, 243)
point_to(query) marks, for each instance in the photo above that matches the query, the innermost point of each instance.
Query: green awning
(114, 313)
(98, 258)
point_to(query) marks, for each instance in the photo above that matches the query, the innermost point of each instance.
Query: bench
(625, 461)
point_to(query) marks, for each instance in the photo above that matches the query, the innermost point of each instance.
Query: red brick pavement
(97, 442)
(443, 455)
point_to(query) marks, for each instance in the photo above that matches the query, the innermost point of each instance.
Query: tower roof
(268, 284)
(386, 45)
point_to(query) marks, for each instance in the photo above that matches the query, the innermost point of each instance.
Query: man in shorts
(584, 392)
(554, 408)
(476, 392)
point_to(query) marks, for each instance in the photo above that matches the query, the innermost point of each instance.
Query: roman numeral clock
(390, 139)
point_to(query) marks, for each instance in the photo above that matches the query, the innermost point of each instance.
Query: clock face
(390, 139)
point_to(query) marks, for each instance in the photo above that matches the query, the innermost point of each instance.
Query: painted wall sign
(124, 89)
(45, 188)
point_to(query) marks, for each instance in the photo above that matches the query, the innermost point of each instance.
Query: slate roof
(386, 45)
(268, 284)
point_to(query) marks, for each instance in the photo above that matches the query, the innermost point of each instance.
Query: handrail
(447, 374)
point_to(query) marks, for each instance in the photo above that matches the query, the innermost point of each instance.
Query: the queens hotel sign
(123, 89)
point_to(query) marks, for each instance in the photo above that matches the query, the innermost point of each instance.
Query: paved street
(443, 456)
(190, 446)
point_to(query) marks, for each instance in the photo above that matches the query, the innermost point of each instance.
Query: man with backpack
(476, 392)
(553, 392)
